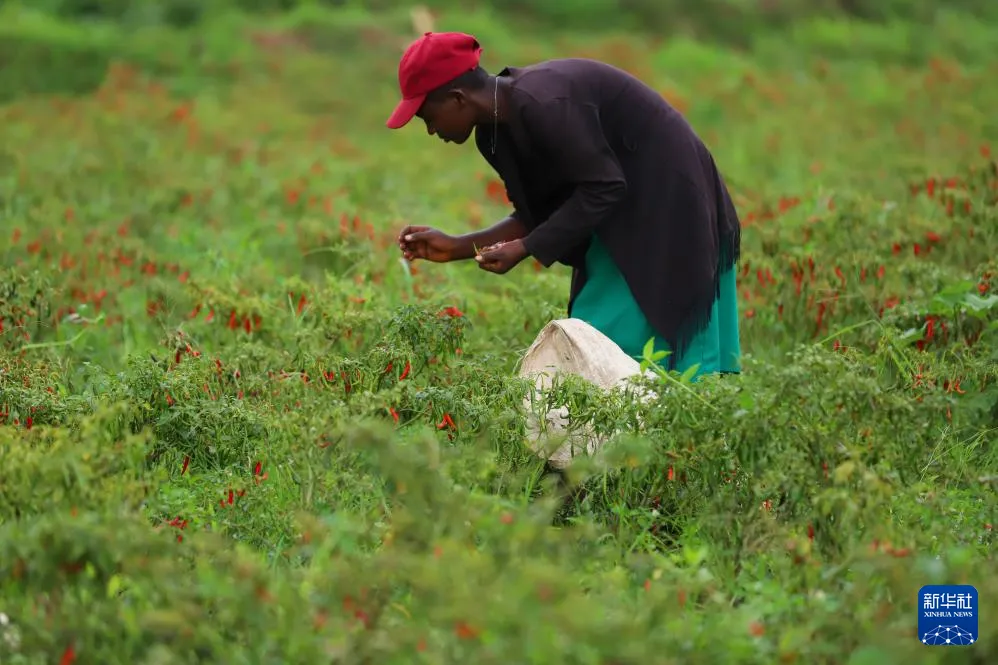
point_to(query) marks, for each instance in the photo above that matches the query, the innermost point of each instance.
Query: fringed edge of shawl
(729, 252)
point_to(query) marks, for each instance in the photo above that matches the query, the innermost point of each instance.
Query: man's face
(451, 118)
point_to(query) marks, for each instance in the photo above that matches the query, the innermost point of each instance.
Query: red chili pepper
(820, 318)
(465, 631)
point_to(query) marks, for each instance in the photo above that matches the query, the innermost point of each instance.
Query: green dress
(606, 303)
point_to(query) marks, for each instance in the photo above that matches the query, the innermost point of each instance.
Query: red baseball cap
(429, 62)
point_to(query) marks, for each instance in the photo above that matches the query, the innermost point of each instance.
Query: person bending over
(604, 176)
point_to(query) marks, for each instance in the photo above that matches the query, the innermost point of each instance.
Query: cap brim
(404, 112)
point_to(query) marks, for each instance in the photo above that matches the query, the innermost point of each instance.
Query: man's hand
(503, 258)
(423, 242)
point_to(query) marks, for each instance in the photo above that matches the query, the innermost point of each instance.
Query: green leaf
(843, 471)
(979, 304)
(114, 585)
(958, 287)
(689, 373)
(649, 347)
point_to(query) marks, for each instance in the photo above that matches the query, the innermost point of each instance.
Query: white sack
(570, 346)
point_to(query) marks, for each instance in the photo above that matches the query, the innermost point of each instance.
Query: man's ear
(460, 97)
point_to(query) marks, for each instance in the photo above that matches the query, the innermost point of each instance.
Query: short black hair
(473, 79)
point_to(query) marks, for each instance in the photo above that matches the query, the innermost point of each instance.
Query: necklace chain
(495, 115)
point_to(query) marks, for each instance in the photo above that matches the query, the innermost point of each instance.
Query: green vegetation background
(234, 428)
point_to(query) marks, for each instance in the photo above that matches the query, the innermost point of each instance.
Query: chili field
(236, 427)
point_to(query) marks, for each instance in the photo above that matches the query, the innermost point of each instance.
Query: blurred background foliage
(65, 46)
